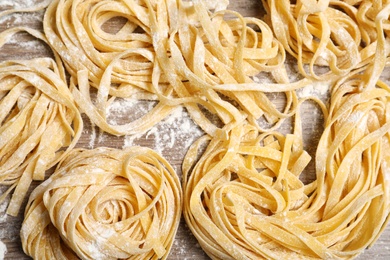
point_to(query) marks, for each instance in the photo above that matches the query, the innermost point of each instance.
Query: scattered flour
(33, 20)
(125, 110)
(177, 132)
(21, 18)
(30, 45)
(17, 3)
(182, 250)
(9, 4)
(3, 233)
(92, 136)
(171, 137)
(3, 215)
(131, 140)
(3, 250)
(318, 89)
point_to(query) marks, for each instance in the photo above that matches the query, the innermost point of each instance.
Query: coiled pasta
(38, 119)
(104, 204)
(331, 38)
(244, 198)
(172, 52)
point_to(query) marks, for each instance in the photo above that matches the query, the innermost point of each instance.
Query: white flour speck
(172, 136)
(3, 215)
(130, 140)
(317, 89)
(3, 250)
(354, 117)
(92, 136)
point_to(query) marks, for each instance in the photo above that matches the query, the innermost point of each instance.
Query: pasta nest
(38, 119)
(341, 36)
(171, 53)
(104, 204)
(248, 197)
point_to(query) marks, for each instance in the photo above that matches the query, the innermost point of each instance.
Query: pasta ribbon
(244, 197)
(104, 204)
(367, 15)
(38, 119)
(172, 53)
(332, 37)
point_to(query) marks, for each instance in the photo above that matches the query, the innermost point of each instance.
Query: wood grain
(185, 245)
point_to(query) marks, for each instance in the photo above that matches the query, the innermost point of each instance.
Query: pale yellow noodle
(104, 204)
(245, 193)
(317, 33)
(244, 198)
(172, 52)
(38, 119)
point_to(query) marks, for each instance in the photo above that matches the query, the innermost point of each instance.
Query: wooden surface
(166, 138)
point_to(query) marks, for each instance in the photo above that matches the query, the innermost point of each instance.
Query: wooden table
(171, 137)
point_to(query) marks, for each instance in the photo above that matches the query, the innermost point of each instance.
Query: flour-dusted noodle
(105, 204)
(354, 163)
(372, 19)
(316, 34)
(231, 190)
(172, 52)
(38, 118)
(244, 199)
(340, 35)
(382, 50)
(230, 52)
(367, 15)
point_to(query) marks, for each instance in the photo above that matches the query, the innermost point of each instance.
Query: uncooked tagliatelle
(246, 196)
(104, 204)
(244, 199)
(340, 35)
(38, 119)
(173, 52)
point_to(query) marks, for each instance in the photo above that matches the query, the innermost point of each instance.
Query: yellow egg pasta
(245, 197)
(38, 119)
(247, 193)
(367, 12)
(330, 38)
(104, 204)
(173, 53)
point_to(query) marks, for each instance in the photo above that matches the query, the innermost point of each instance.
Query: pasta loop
(104, 204)
(317, 33)
(38, 118)
(172, 53)
(244, 198)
